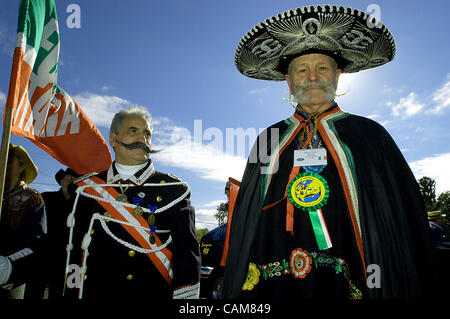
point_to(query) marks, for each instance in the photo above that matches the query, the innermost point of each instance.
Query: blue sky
(176, 58)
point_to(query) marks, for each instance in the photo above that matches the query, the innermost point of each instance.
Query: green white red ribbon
(320, 229)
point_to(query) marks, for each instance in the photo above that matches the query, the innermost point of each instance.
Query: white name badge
(310, 157)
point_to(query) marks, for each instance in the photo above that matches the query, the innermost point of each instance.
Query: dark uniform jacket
(57, 208)
(115, 268)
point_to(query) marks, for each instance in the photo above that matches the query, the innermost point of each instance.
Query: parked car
(211, 246)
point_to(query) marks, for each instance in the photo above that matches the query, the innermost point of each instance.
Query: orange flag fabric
(42, 111)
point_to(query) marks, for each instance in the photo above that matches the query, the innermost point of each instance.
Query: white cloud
(2, 97)
(442, 98)
(165, 132)
(204, 218)
(2, 101)
(207, 161)
(407, 106)
(373, 116)
(385, 122)
(213, 203)
(180, 149)
(377, 118)
(101, 108)
(204, 215)
(436, 167)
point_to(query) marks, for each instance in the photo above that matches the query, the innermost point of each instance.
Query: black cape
(393, 221)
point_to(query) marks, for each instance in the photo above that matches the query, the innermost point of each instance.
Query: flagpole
(11, 103)
(4, 152)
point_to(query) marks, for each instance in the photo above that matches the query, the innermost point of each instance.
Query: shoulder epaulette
(175, 177)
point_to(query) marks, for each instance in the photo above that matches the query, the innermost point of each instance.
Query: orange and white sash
(162, 259)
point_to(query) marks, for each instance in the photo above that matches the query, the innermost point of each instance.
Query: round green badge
(308, 191)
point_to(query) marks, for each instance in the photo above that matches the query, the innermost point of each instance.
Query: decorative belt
(299, 266)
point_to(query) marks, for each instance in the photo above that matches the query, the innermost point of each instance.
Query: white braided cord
(159, 210)
(71, 222)
(125, 243)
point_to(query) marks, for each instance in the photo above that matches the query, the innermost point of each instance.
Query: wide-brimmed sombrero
(346, 34)
(30, 170)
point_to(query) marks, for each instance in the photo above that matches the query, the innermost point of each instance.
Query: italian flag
(42, 111)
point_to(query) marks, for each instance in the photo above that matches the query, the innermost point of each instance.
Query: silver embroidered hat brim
(347, 34)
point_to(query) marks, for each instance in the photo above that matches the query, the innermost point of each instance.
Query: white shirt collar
(126, 171)
(137, 174)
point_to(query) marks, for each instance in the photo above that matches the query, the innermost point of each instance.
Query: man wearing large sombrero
(334, 210)
(22, 227)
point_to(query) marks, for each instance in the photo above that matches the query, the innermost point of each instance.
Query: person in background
(58, 206)
(436, 221)
(22, 229)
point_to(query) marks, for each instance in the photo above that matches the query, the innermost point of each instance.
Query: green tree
(428, 191)
(201, 232)
(222, 213)
(443, 202)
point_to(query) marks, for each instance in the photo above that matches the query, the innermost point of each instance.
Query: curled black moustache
(135, 145)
